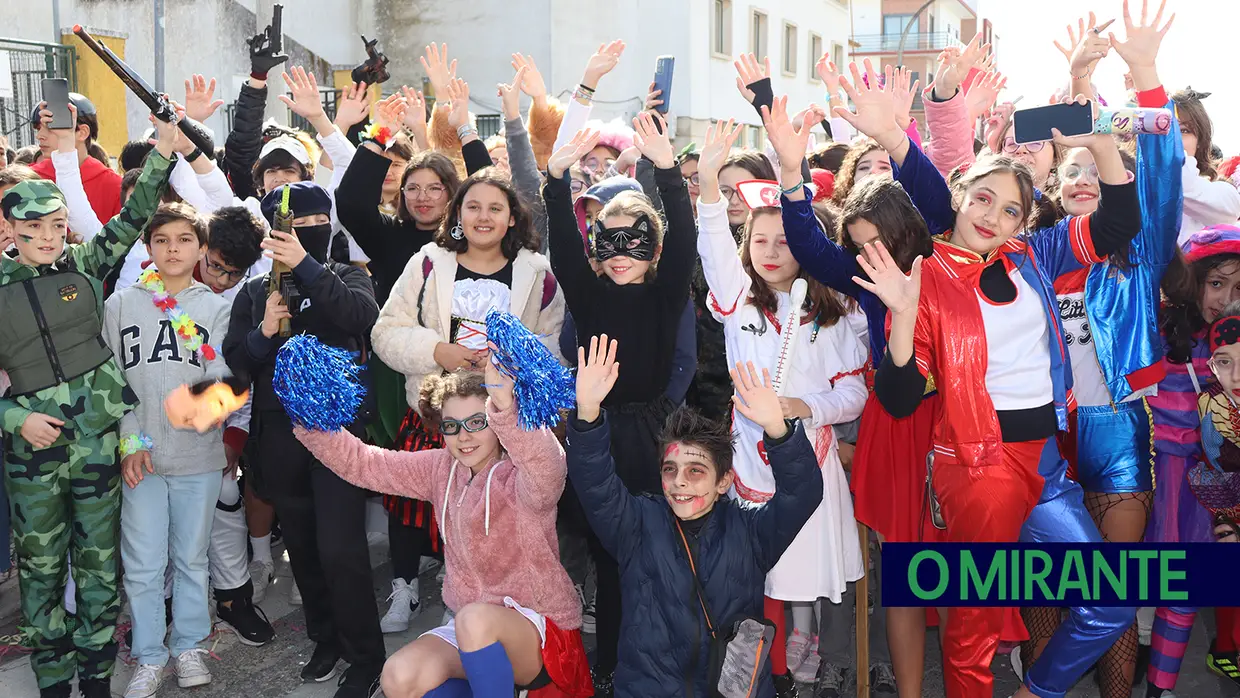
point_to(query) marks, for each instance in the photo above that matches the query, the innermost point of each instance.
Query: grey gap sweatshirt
(155, 362)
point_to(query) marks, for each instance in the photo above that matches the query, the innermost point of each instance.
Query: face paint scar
(672, 450)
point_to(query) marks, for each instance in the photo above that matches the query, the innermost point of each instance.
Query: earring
(457, 232)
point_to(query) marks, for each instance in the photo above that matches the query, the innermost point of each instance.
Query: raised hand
(787, 137)
(606, 58)
(438, 70)
(66, 141)
(900, 292)
(1140, 49)
(720, 137)
(582, 142)
(972, 54)
(654, 141)
(902, 94)
(415, 116)
(984, 93)
(305, 101)
(597, 372)
(510, 95)
(531, 81)
(830, 75)
(749, 71)
(652, 102)
(198, 103)
(875, 115)
(390, 113)
(353, 106)
(1085, 47)
(498, 384)
(170, 139)
(458, 96)
(757, 401)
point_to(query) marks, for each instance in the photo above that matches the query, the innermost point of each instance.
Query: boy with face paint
(323, 516)
(61, 418)
(733, 547)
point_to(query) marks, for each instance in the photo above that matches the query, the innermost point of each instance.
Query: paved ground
(272, 671)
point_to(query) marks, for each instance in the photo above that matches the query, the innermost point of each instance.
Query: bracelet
(136, 442)
(582, 86)
(584, 95)
(379, 134)
(194, 155)
(793, 188)
(1088, 72)
(464, 130)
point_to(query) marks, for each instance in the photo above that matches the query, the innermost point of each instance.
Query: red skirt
(415, 436)
(889, 473)
(564, 658)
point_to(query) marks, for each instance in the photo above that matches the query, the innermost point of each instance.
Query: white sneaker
(404, 607)
(192, 669)
(145, 681)
(294, 594)
(587, 611)
(427, 564)
(798, 649)
(1017, 665)
(260, 575)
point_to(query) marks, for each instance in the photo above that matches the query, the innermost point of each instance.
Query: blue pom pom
(542, 386)
(319, 385)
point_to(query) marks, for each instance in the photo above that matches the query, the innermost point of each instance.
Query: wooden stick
(863, 616)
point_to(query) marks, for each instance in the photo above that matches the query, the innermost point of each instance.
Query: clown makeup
(1225, 363)
(1222, 286)
(690, 480)
(625, 248)
(41, 241)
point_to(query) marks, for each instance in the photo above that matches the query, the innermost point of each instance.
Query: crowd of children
(942, 341)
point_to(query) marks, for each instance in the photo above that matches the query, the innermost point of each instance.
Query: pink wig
(614, 134)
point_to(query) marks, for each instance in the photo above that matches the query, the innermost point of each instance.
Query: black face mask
(316, 239)
(635, 241)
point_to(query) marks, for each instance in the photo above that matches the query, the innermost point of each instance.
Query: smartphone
(1033, 125)
(663, 67)
(56, 94)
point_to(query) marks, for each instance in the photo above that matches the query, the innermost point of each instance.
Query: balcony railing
(916, 41)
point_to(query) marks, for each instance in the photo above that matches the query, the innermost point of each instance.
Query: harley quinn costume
(1000, 408)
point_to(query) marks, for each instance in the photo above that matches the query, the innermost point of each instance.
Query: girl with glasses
(517, 617)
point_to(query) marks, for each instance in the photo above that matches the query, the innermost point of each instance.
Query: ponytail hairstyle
(1193, 118)
(821, 303)
(437, 388)
(882, 202)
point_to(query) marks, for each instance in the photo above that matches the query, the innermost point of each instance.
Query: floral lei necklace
(186, 328)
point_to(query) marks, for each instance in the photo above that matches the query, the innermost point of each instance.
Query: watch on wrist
(194, 155)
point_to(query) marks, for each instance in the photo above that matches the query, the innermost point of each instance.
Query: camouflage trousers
(67, 499)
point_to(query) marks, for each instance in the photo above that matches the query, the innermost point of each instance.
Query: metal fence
(327, 97)
(915, 41)
(25, 64)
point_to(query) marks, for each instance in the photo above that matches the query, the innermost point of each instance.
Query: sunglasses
(472, 424)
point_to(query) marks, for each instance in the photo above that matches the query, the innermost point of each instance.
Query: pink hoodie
(515, 499)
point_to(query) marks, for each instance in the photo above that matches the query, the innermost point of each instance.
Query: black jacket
(338, 307)
(245, 141)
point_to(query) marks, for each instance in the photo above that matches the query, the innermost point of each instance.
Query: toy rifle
(281, 276)
(374, 69)
(159, 105)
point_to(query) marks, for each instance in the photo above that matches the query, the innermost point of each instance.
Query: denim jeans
(168, 519)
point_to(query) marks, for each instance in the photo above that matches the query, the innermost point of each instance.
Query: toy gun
(374, 70)
(281, 278)
(159, 105)
(272, 38)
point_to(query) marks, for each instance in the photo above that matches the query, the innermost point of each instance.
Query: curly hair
(846, 177)
(821, 303)
(520, 235)
(235, 234)
(437, 388)
(1180, 318)
(687, 426)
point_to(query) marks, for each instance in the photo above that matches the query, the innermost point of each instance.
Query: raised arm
(404, 473)
(361, 191)
(521, 161)
(473, 150)
(537, 455)
(721, 264)
(567, 251)
(901, 377)
(604, 60)
(245, 141)
(680, 237)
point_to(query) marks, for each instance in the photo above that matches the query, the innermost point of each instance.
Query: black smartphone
(1033, 125)
(663, 68)
(56, 94)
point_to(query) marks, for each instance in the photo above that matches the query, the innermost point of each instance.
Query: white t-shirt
(1088, 383)
(1018, 370)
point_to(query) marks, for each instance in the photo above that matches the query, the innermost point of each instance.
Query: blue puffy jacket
(664, 645)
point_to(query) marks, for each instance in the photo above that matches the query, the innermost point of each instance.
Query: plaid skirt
(415, 436)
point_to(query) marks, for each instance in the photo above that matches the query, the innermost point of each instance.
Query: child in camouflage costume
(68, 395)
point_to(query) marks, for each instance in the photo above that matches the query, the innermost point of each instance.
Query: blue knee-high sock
(489, 671)
(452, 688)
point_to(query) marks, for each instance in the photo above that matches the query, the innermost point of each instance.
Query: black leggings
(408, 544)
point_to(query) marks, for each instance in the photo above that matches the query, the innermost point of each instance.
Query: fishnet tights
(1121, 518)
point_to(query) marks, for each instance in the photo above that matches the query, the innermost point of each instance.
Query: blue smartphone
(663, 68)
(1033, 125)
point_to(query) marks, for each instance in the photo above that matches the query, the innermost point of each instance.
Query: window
(894, 24)
(757, 137)
(815, 52)
(721, 29)
(931, 28)
(790, 49)
(837, 56)
(757, 35)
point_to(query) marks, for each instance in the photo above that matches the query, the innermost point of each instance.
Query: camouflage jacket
(94, 401)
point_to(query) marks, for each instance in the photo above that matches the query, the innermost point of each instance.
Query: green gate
(29, 62)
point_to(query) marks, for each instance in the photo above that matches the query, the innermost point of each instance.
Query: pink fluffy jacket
(498, 526)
